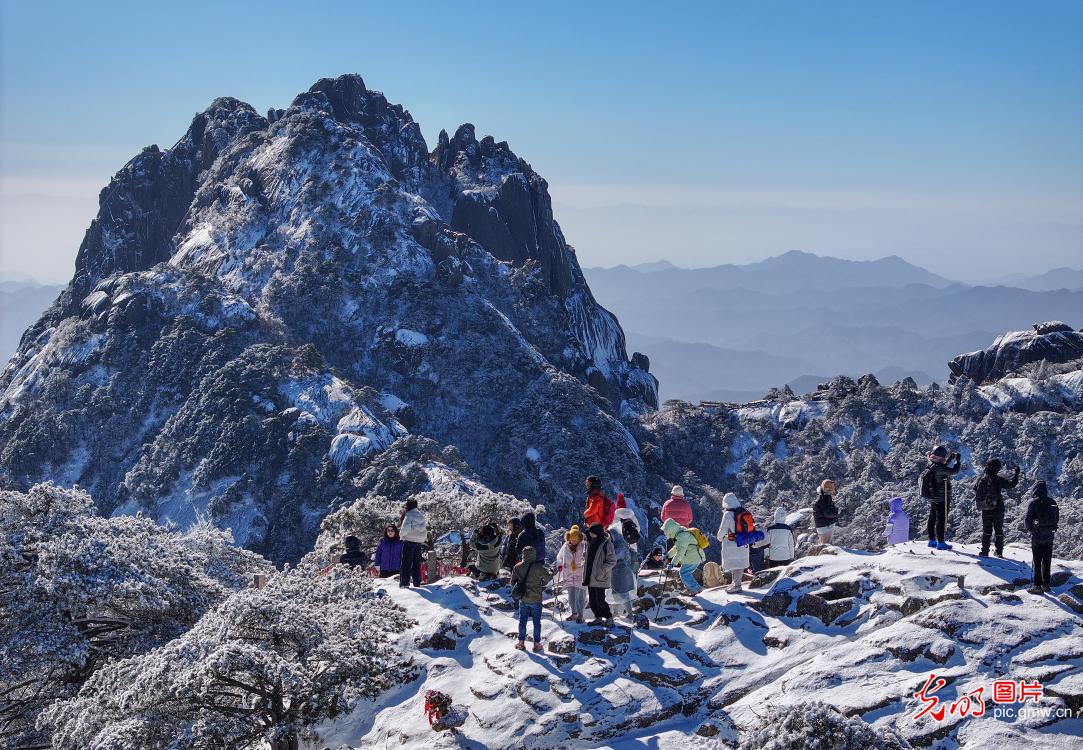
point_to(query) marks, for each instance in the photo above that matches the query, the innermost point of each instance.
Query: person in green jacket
(686, 553)
(528, 579)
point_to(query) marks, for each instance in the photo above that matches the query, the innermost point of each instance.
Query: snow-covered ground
(861, 631)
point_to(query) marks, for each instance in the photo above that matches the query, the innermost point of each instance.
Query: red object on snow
(620, 501)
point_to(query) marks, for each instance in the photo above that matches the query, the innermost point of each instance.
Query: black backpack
(1048, 515)
(629, 531)
(984, 498)
(928, 483)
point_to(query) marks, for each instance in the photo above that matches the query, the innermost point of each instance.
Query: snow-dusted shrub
(259, 668)
(818, 726)
(79, 590)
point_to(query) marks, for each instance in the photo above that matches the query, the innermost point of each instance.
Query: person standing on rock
(622, 580)
(677, 508)
(389, 552)
(528, 580)
(571, 562)
(897, 529)
(509, 554)
(598, 573)
(532, 536)
(935, 486)
(486, 543)
(599, 508)
(824, 511)
(413, 532)
(1042, 519)
(685, 553)
(734, 555)
(989, 499)
(780, 541)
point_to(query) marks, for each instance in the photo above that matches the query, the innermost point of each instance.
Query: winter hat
(657, 552)
(529, 521)
(895, 504)
(573, 535)
(623, 514)
(596, 529)
(730, 502)
(1041, 492)
(993, 467)
(940, 451)
(677, 491)
(594, 482)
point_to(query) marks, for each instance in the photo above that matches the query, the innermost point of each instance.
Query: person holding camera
(989, 499)
(936, 488)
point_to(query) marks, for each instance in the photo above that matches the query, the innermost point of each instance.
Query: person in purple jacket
(898, 523)
(389, 552)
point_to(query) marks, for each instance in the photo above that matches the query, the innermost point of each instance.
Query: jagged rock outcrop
(1054, 342)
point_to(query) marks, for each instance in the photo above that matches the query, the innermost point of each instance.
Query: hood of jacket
(671, 528)
(1040, 491)
(896, 504)
(623, 514)
(529, 521)
(780, 515)
(730, 502)
(529, 555)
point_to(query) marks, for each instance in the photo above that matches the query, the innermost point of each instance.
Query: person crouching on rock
(571, 560)
(389, 552)
(685, 553)
(897, 529)
(528, 580)
(656, 560)
(598, 573)
(824, 511)
(353, 556)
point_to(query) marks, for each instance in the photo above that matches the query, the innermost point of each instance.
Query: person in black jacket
(825, 512)
(989, 499)
(531, 536)
(936, 488)
(1041, 521)
(353, 555)
(509, 556)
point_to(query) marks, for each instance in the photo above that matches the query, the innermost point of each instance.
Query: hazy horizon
(947, 135)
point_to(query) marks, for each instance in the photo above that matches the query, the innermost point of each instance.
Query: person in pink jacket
(677, 508)
(570, 561)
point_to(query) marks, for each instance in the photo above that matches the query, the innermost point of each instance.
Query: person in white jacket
(413, 531)
(734, 557)
(570, 561)
(780, 541)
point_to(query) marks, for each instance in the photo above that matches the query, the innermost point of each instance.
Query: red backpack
(744, 523)
(609, 512)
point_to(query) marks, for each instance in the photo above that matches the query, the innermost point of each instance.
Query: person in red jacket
(600, 509)
(677, 507)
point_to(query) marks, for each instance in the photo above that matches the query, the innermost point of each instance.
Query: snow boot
(609, 622)
(932, 542)
(596, 621)
(1034, 590)
(520, 646)
(1046, 589)
(538, 648)
(734, 588)
(943, 545)
(984, 553)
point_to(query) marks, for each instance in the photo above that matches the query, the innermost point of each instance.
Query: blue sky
(948, 133)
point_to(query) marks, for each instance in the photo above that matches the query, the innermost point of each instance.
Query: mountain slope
(259, 311)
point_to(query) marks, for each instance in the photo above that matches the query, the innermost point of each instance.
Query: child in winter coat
(486, 542)
(389, 552)
(685, 553)
(734, 556)
(571, 560)
(897, 530)
(598, 573)
(353, 555)
(1042, 519)
(677, 508)
(623, 578)
(779, 541)
(414, 532)
(531, 575)
(825, 512)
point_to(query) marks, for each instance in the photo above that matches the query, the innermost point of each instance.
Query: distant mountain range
(730, 332)
(21, 303)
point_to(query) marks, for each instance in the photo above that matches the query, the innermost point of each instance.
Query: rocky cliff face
(259, 311)
(1053, 342)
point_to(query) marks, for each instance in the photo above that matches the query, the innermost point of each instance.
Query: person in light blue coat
(623, 586)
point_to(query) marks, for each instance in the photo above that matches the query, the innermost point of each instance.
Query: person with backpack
(824, 511)
(571, 562)
(486, 543)
(414, 532)
(598, 573)
(389, 552)
(1042, 519)
(897, 529)
(989, 499)
(353, 556)
(509, 553)
(532, 536)
(528, 579)
(599, 508)
(622, 581)
(737, 533)
(935, 486)
(677, 508)
(779, 541)
(686, 553)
